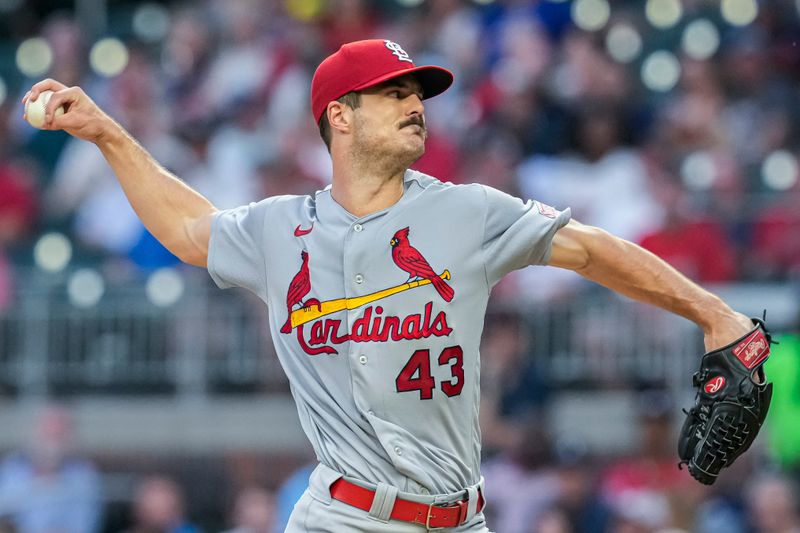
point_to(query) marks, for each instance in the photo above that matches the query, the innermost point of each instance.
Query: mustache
(416, 120)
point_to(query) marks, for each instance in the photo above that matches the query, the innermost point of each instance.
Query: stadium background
(672, 123)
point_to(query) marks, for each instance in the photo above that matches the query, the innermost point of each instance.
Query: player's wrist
(109, 135)
(711, 311)
(726, 328)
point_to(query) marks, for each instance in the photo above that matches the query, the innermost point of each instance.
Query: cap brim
(434, 80)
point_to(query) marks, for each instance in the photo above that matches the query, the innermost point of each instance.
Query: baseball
(35, 110)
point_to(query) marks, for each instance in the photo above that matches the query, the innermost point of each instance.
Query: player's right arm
(630, 270)
(177, 215)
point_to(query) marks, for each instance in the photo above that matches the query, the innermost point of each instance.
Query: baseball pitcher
(377, 287)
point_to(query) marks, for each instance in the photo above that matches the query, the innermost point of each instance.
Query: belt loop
(383, 502)
(472, 503)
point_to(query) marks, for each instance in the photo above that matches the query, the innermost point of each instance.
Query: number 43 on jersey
(416, 374)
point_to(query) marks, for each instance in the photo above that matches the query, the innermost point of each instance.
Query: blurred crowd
(50, 486)
(538, 478)
(703, 174)
(535, 481)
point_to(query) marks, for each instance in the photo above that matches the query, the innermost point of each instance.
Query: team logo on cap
(397, 50)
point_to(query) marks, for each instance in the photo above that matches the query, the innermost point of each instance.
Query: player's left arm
(629, 269)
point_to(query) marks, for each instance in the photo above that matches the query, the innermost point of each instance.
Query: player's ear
(340, 116)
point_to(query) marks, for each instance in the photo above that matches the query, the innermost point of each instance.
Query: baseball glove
(732, 400)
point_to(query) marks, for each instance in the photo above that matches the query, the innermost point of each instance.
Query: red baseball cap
(362, 64)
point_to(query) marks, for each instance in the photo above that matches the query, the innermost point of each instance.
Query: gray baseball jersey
(377, 320)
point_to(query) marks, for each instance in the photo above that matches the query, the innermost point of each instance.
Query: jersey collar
(330, 212)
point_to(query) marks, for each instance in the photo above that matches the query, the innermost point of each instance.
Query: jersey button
(398, 451)
(359, 279)
(363, 359)
(357, 228)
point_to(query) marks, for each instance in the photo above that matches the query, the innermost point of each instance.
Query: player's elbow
(603, 253)
(574, 245)
(598, 244)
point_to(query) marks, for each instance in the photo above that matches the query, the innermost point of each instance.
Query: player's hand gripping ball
(732, 401)
(35, 109)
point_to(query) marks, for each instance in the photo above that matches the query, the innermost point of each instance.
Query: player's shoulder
(477, 199)
(266, 212)
(288, 200)
(432, 185)
(281, 204)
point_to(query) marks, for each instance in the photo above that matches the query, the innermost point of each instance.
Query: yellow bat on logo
(313, 312)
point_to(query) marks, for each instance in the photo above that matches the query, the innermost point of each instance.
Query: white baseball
(35, 110)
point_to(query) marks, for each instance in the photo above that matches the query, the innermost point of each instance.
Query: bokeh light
(151, 22)
(3, 91)
(108, 57)
(663, 14)
(698, 171)
(34, 57)
(52, 252)
(410, 3)
(623, 43)
(165, 287)
(85, 288)
(661, 71)
(700, 39)
(779, 170)
(305, 9)
(739, 12)
(590, 15)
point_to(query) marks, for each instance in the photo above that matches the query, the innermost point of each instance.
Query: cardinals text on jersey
(371, 326)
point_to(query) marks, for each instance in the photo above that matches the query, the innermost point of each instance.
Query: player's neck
(362, 196)
(363, 189)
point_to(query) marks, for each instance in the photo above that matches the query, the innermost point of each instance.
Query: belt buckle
(428, 519)
(463, 508)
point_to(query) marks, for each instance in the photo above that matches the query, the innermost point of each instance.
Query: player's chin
(416, 142)
(413, 151)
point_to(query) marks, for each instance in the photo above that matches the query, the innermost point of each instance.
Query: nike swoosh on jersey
(300, 232)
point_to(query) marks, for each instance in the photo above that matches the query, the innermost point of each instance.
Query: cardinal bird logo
(318, 331)
(298, 289)
(409, 259)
